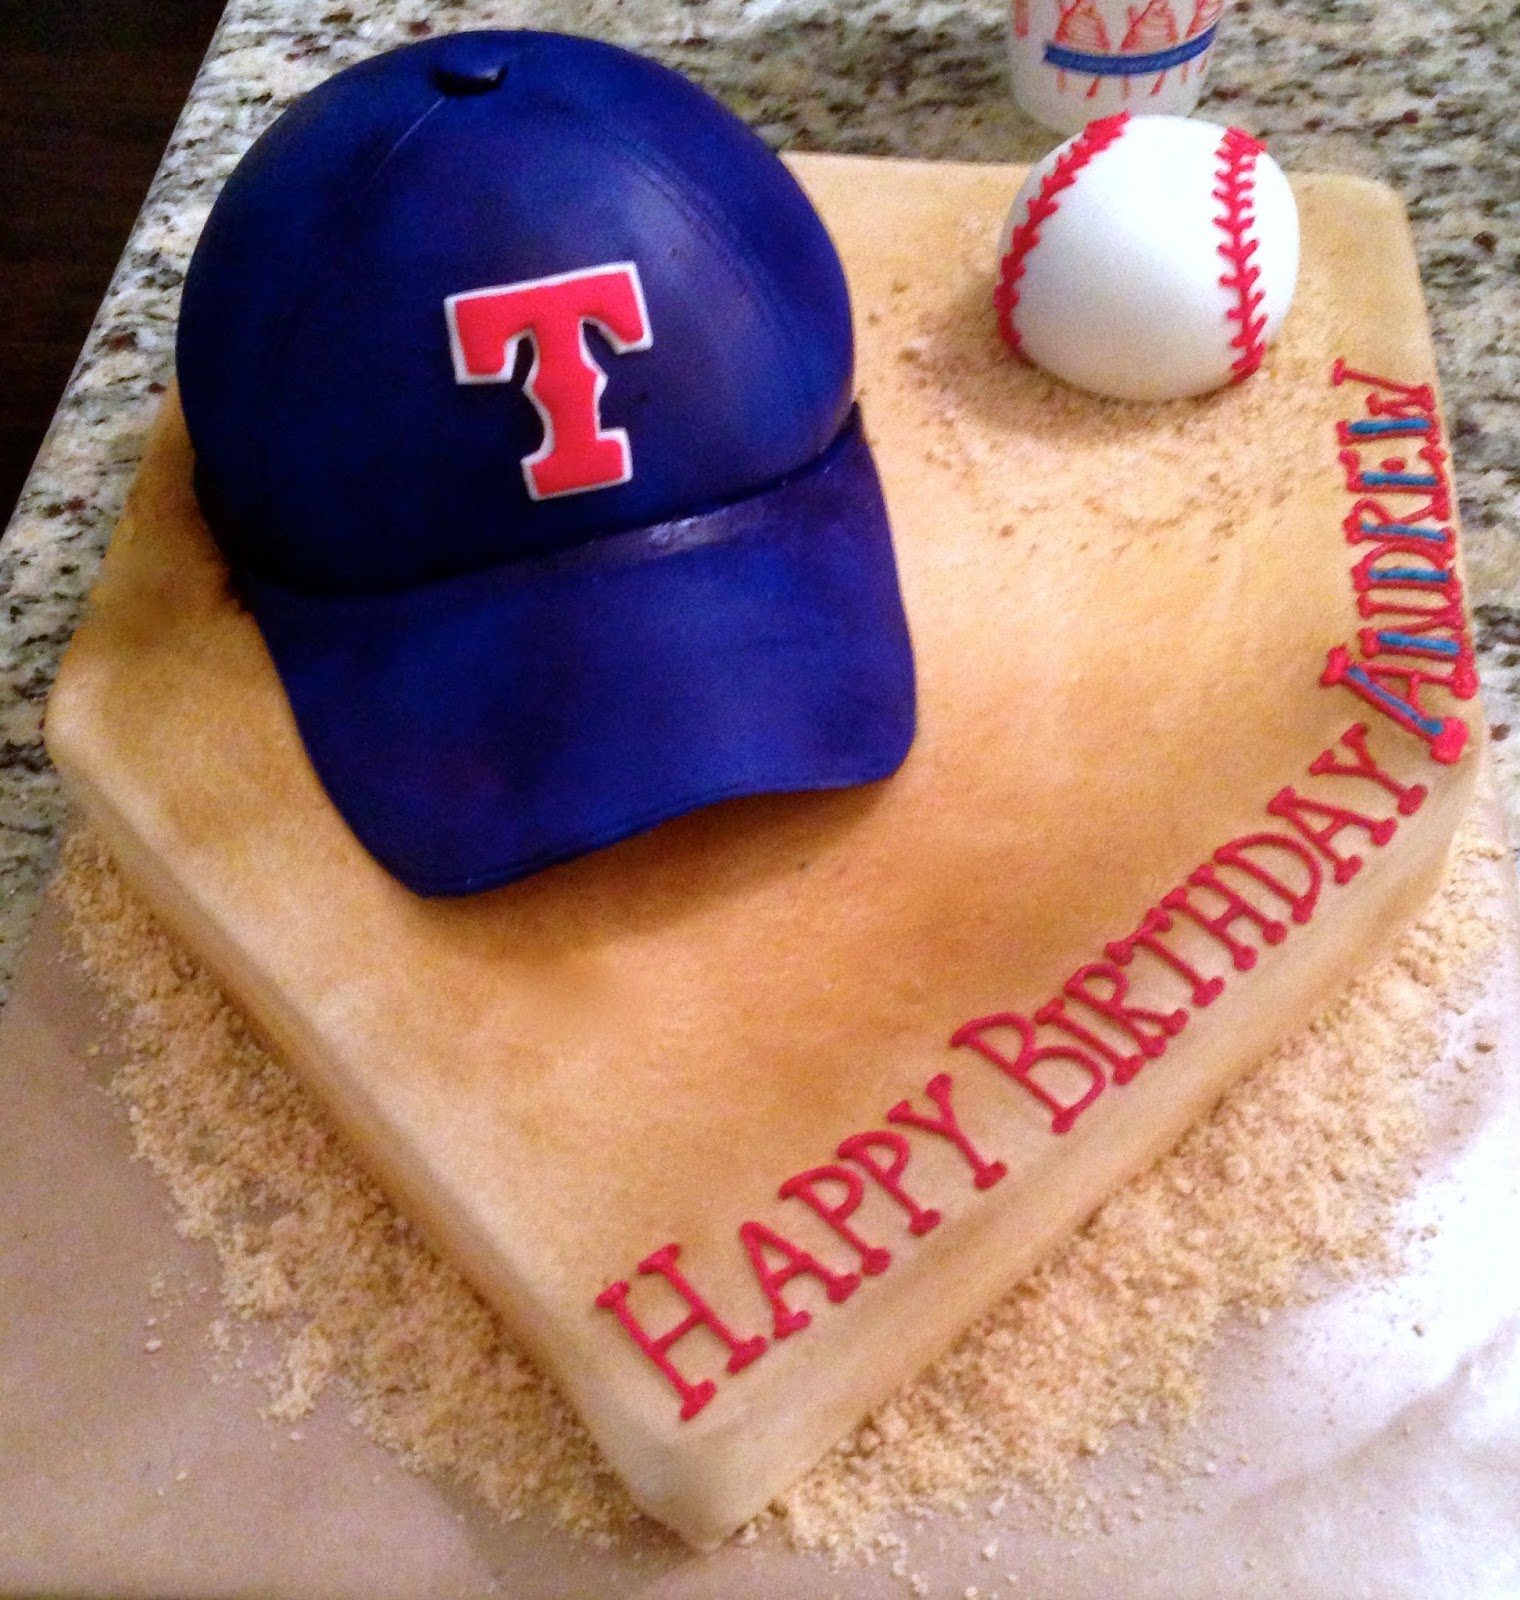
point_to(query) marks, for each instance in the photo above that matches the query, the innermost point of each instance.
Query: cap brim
(479, 729)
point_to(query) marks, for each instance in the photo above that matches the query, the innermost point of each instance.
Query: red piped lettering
(1205, 990)
(1242, 956)
(1021, 1068)
(1300, 902)
(804, 1187)
(565, 383)
(1428, 577)
(1149, 1029)
(1446, 737)
(757, 1239)
(984, 1173)
(1292, 807)
(1370, 518)
(1433, 482)
(1424, 550)
(1410, 797)
(741, 1352)
(1412, 400)
(1410, 637)
(861, 1147)
(1122, 1068)
(1419, 621)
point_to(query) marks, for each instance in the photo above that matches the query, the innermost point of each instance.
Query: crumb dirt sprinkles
(1300, 1166)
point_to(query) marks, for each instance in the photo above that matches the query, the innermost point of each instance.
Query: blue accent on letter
(1390, 425)
(1405, 480)
(1408, 575)
(1430, 725)
(1404, 530)
(1417, 644)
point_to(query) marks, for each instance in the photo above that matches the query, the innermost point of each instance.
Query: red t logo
(565, 384)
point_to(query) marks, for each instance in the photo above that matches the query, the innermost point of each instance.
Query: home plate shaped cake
(741, 1120)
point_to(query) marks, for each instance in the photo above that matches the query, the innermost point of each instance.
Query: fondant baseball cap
(519, 375)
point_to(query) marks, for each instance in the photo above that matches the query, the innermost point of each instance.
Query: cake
(742, 1119)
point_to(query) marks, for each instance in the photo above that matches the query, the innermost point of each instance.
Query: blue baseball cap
(519, 374)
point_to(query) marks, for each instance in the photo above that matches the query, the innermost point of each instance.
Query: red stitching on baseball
(1235, 191)
(1094, 138)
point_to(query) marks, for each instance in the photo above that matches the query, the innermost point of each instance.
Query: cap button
(469, 64)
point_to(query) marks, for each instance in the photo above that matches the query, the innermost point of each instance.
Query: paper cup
(1074, 60)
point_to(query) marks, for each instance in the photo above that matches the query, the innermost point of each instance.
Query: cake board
(345, 973)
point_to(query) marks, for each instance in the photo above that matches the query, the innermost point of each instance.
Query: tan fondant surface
(1120, 616)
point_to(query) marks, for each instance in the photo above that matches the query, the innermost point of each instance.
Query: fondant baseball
(1149, 258)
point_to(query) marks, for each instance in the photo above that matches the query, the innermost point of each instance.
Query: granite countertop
(1419, 93)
